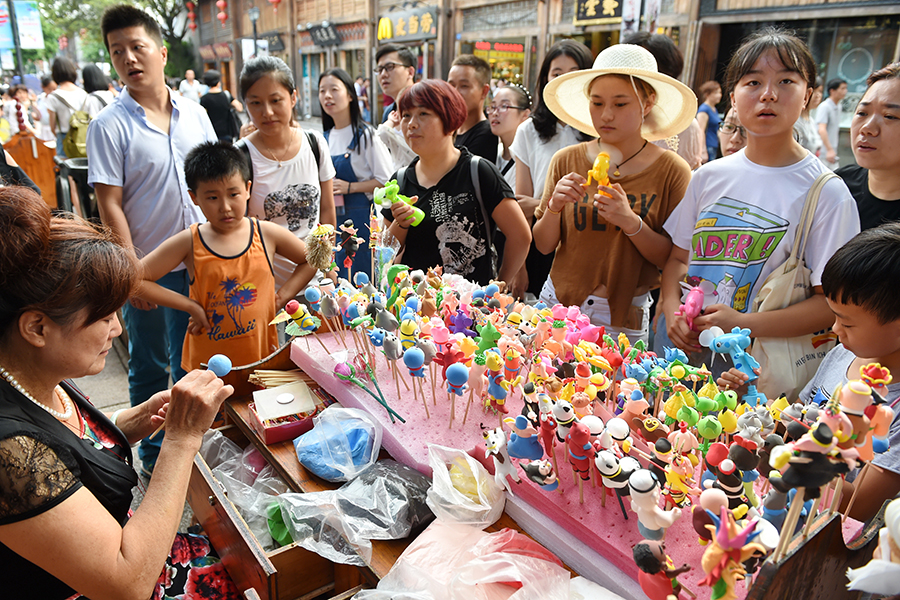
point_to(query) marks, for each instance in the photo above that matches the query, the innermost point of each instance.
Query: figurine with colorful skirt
(657, 571)
(724, 557)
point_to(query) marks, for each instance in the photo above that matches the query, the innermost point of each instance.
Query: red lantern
(190, 5)
(222, 16)
(192, 26)
(275, 4)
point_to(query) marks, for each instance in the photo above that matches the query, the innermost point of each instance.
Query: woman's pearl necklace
(62, 416)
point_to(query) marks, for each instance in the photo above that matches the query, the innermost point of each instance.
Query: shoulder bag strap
(476, 183)
(100, 98)
(314, 146)
(64, 101)
(809, 212)
(241, 145)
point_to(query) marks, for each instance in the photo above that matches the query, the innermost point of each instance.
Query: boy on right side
(859, 282)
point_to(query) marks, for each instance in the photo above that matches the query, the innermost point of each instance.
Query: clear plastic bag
(462, 490)
(385, 502)
(459, 562)
(249, 482)
(342, 443)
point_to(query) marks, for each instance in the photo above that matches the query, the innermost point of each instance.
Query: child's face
(862, 333)
(616, 111)
(769, 98)
(223, 202)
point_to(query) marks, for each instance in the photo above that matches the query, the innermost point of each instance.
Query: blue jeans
(60, 138)
(155, 339)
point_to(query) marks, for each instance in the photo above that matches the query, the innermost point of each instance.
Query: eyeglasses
(387, 67)
(730, 128)
(493, 108)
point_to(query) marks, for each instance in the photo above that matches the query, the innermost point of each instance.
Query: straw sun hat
(568, 96)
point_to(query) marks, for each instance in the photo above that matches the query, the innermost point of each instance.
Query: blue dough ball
(220, 365)
(331, 449)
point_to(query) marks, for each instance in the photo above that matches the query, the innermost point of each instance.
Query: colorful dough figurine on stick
(724, 557)
(389, 194)
(652, 520)
(600, 172)
(658, 573)
(495, 447)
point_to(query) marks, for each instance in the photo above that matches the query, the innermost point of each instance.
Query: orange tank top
(238, 295)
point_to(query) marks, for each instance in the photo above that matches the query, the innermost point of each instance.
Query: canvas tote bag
(787, 364)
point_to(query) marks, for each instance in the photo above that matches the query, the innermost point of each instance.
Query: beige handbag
(787, 364)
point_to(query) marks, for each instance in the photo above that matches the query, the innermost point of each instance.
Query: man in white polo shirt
(136, 149)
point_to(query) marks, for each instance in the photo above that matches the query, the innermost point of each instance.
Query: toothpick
(836, 495)
(813, 513)
(790, 523)
(856, 485)
(424, 403)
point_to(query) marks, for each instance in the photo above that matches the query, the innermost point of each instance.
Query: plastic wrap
(386, 501)
(461, 562)
(462, 491)
(250, 483)
(341, 444)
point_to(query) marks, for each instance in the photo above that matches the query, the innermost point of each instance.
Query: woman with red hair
(462, 197)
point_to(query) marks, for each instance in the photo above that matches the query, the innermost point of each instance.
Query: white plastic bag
(460, 562)
(462, 490)
(342, 443)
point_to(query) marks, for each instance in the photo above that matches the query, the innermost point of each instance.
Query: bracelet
(115, 416)
(349, 185)
(401, 226)
(553, 212)
(636, 232)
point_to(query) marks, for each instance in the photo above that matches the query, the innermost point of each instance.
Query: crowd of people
(507, 183)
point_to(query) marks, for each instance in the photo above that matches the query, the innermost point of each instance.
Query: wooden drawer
(286, 573)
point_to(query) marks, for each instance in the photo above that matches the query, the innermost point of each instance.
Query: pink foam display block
(601, 529)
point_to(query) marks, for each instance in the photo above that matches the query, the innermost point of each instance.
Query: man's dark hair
(668, 57)
(834, 84)
(214, 161)
(864, 272)
(407, 56)
(45, 81)
(481, 66)
(122, 16)
(212, 78)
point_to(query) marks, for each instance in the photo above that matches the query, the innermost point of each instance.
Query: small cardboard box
(272, 431)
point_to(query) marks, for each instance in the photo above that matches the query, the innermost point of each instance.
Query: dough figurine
(600, 172)
(542, 473)
(882, 574)
(495, 447)
(657, 576)
(652, 520)
(724, 557)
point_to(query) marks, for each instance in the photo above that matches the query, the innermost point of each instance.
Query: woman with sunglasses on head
(510, 107)
(459, 216)
(361, 161)
(536, 141)
(874, 180)
(732, 136)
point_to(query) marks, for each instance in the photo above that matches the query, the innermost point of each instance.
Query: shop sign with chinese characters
(324, 35)
(499, 50)
(407, 25)
(597, 12)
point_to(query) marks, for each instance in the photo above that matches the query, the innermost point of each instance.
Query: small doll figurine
(600, 171)
(524, 442)
(615, 473)
(657, 576)
(320, 247)
(495, 447)
(581, 454)
(882, 574)
(652, 520)
(542, 473)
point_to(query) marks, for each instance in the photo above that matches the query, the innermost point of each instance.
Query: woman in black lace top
(65, 469)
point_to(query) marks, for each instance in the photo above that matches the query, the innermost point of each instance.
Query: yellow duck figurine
(600, 172)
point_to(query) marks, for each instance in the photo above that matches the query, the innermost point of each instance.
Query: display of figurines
(542, 473)
(881, 575)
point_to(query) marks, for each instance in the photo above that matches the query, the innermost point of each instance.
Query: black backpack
(241, 144)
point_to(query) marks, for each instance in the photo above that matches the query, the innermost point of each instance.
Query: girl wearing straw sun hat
(609, 240)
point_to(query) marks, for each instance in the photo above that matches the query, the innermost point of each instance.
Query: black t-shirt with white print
(873, 211)
(453, 233)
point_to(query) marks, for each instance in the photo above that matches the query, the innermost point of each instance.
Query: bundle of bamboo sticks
(271, 378)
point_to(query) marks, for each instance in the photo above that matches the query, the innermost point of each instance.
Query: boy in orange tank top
(229, 260)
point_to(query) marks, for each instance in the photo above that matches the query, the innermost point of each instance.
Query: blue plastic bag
(341, 444)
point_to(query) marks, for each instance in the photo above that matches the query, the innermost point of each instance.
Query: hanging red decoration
(192, 16)
(222, 16)
(274, 4)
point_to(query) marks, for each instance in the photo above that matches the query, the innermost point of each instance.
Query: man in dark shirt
(471, 76)
(218, 106)
(873, 211)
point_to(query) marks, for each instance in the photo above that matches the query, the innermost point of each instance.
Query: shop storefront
(416, 28)
(506, 57)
